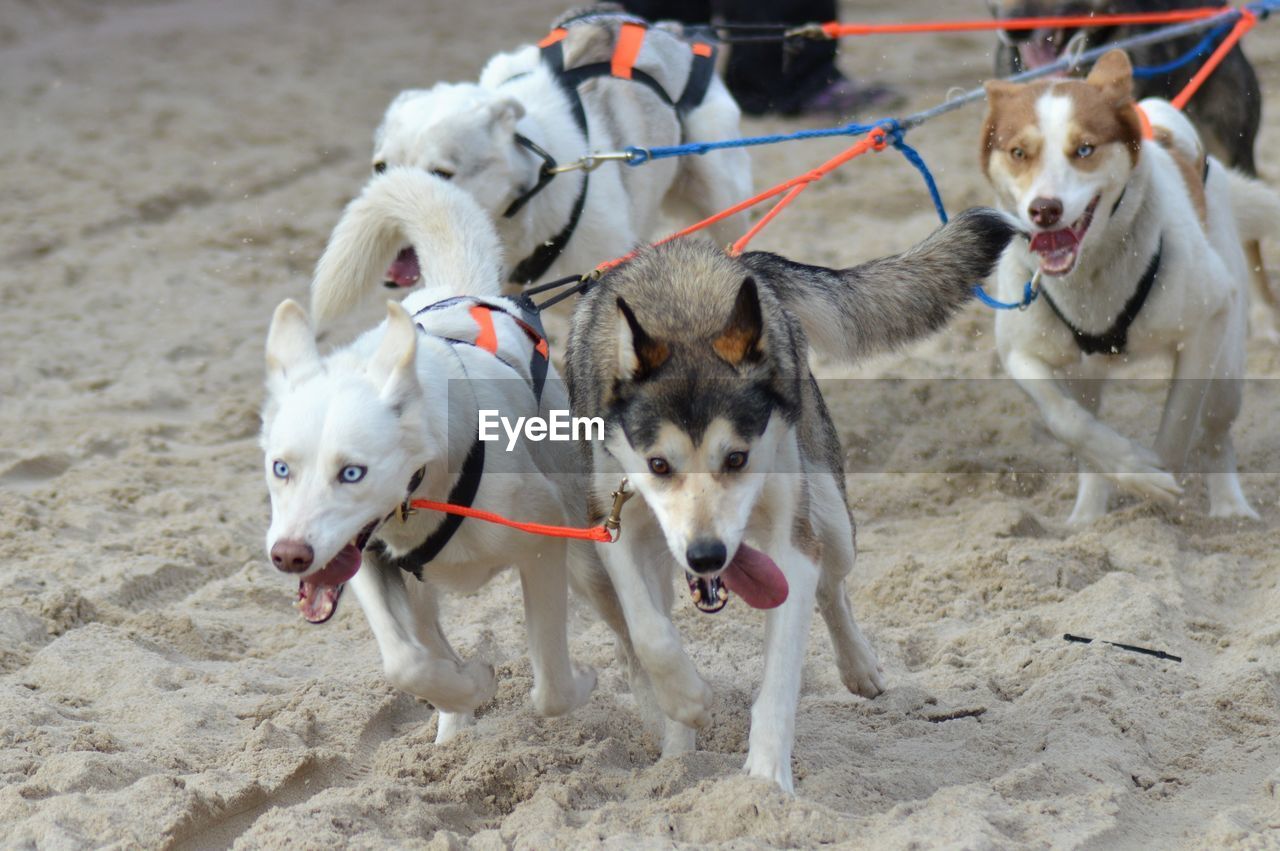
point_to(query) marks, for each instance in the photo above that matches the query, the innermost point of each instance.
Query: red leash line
(593, 533)
(875, 140)
(835, 29)
(1247, 21)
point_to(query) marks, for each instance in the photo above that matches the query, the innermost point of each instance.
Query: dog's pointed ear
(999, 89)
(291, 345)
(504, 113)
(638, 353)
(1113, 74)
(742, 338)
(394, 366)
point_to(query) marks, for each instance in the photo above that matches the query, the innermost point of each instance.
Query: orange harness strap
(552, 37)
(487, 337)
(627, 50)
(1147, 132)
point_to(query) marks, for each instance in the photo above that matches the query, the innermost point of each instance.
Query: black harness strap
(700, 74)
(463, 493)
(537, 263)
(701, 71)
(1113, 340)
(546, 173)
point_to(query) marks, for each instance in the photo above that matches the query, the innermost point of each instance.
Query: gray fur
(884, 304)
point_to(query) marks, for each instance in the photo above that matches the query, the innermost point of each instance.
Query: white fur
(455, 236)
(468, 130)
(386, 402)
(1195, 314)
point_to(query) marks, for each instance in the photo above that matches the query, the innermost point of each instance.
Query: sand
(170, 171)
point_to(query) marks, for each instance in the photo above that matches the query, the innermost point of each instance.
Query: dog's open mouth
(1059, 249)
(750, 574)
(318, 594)
(404, 270)
(1043, 47)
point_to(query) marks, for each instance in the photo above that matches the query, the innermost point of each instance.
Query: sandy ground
(170, 171)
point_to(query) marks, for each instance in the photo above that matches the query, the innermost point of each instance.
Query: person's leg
(764, 77)
(685, 11)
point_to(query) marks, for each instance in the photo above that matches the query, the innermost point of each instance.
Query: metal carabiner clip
(613, 523)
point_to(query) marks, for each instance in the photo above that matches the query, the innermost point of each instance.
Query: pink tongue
(1054, 240)
(342, 567)
(755, 578)
(1039, 51)
(404, 271)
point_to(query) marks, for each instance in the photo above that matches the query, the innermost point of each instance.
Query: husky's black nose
(706, 555)
(292, 556)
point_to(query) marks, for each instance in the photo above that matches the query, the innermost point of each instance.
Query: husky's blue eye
(1084, 151)
(659, 466)
(351, 474)
(281, 469)
(735, 460)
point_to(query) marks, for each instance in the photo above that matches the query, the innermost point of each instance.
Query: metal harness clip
(613, 523)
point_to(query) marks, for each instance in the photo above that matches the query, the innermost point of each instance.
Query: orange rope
(875, 140)
(1247, 21)
(835, 29)
(594, 533)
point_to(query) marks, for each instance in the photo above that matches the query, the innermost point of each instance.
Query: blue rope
(894, 131)
(1029, 294)
(638, 156)
(1206, 44)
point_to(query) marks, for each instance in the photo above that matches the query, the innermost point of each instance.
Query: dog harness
(1114, 339)
(622, 66)
(464, 489)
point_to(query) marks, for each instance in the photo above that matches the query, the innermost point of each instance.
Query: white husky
(533, 108)
(350, 437)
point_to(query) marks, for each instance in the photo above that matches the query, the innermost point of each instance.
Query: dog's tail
(457, 248)
(886, 303)
(1255, 206)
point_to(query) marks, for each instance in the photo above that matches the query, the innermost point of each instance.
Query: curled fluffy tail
(886, 303)
(456, 244)
(1255, 205)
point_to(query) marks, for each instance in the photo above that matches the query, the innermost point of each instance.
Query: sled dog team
(697, 362)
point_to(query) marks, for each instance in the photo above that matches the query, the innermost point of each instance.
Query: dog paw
(450, 724)
(1238, 510)
(1141, 474)
(561, 699)
(486, 681)
(685, 698)
(1262, 325)
(865, 676)
(769, 764)
(677, 739)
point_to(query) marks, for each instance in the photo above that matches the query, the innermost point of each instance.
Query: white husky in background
(493, 139)
(1138, 243)
(350, 437)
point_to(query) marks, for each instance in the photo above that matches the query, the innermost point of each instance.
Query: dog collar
(546, 173)
(1114, 339)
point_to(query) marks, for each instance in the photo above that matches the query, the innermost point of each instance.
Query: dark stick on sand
(1159, 654)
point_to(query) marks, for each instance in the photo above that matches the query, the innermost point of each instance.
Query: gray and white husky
(350, 437)
(698, 364)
